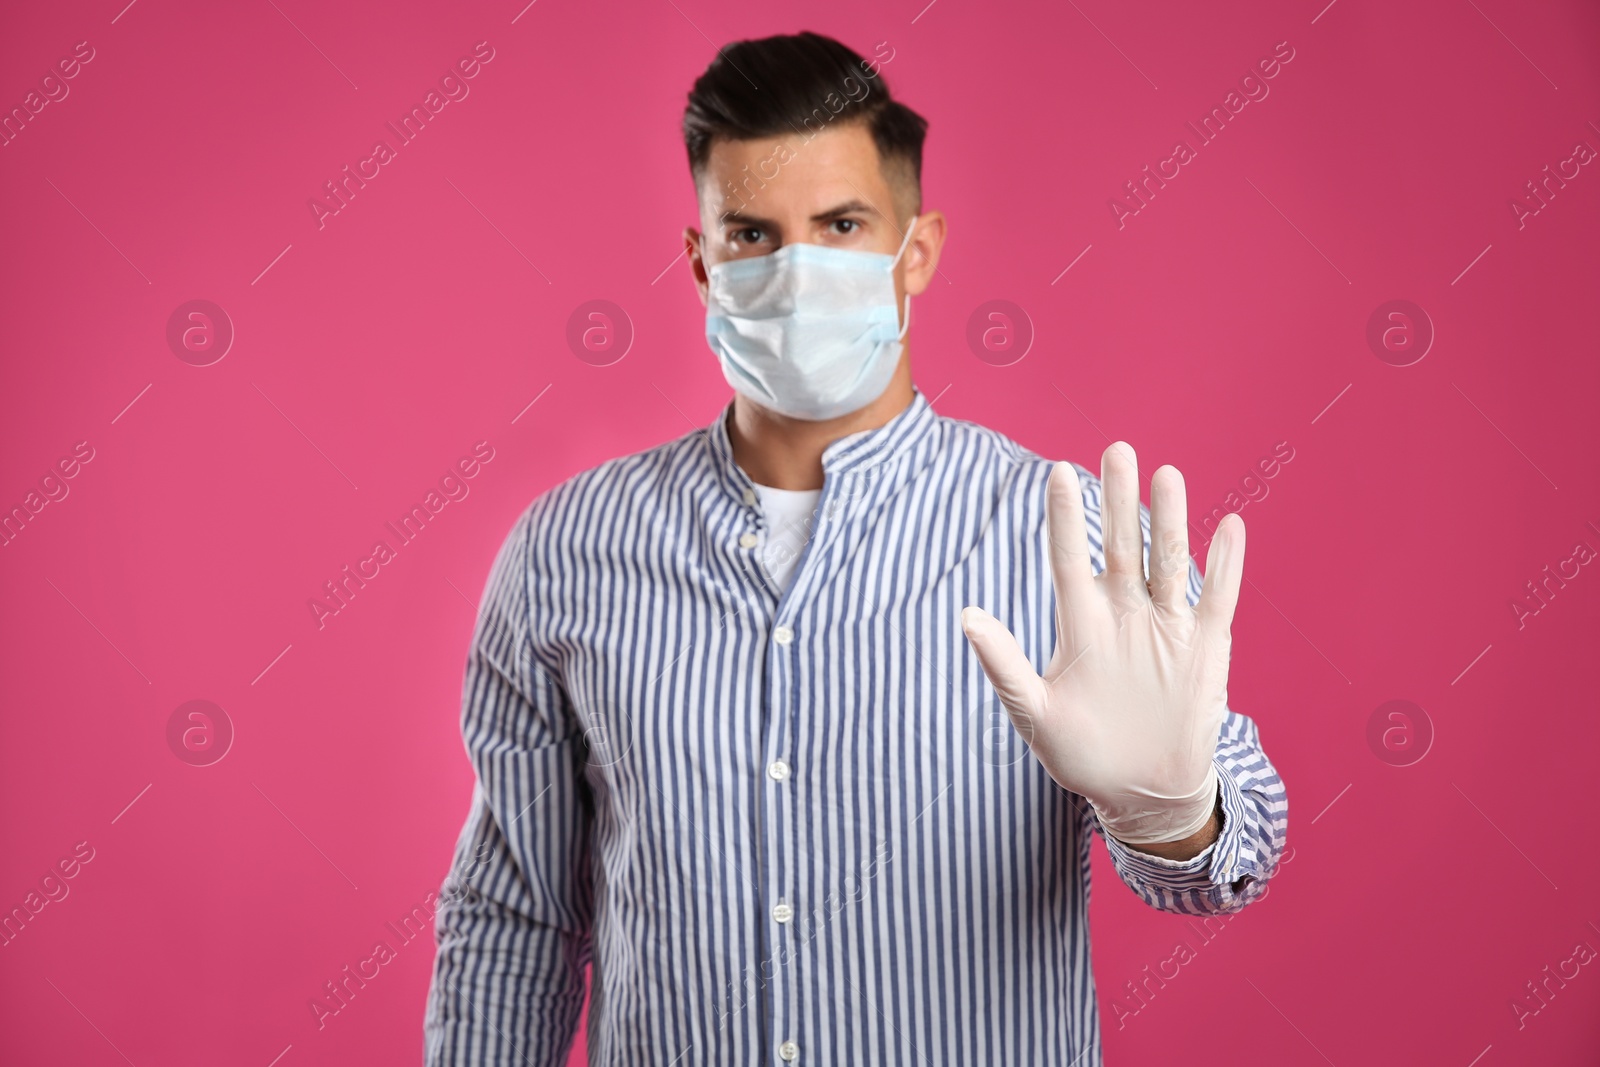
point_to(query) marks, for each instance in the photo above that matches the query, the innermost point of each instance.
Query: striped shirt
(794, 826)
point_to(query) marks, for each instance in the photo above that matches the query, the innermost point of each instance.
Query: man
(732, 747)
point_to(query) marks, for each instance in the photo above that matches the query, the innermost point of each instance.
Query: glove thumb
(1018, 685)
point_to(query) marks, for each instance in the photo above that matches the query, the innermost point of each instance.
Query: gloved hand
(1130, 707)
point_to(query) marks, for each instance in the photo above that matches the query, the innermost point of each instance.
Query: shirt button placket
(780, 822)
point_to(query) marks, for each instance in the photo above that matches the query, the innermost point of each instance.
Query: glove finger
(1121, 531)
(1169, 539)
(1219, 595)
(1071, 567)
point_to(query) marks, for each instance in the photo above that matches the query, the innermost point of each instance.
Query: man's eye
(851, 223)
(748, 235)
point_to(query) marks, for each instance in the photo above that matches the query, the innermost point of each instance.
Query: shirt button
(749, 496)
(789, 1051)
(782, 913)
(783, 635)
(778, 769)
(748, 540)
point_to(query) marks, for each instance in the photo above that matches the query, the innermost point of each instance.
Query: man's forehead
(825, 169)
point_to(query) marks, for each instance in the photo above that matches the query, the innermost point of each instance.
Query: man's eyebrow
(849, 207)
(742, 219)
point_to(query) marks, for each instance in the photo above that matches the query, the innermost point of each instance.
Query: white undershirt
(790, 515)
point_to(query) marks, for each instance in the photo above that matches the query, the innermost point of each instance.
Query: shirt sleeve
(512, 924)
(1234, 869)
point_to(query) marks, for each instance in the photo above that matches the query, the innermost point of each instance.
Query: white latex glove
(1130, 707)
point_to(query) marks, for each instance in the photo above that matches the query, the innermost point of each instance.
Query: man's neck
(784, 453)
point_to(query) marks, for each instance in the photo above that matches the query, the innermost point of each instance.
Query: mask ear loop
(904, 242)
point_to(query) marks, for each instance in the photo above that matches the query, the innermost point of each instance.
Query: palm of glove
(1129, 708)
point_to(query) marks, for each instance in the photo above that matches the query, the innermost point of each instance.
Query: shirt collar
(858, 451)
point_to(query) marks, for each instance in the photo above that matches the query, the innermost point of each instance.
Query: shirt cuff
(1227, 860)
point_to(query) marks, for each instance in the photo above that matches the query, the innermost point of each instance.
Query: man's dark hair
(800, 84)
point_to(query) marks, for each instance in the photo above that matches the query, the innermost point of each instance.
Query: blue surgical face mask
(809, 331)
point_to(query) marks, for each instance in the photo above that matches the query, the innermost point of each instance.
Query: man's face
(757, 196)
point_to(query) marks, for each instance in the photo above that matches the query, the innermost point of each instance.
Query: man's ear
(922, 254)
(697, 265)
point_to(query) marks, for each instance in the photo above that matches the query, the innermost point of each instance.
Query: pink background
(1227, 316)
